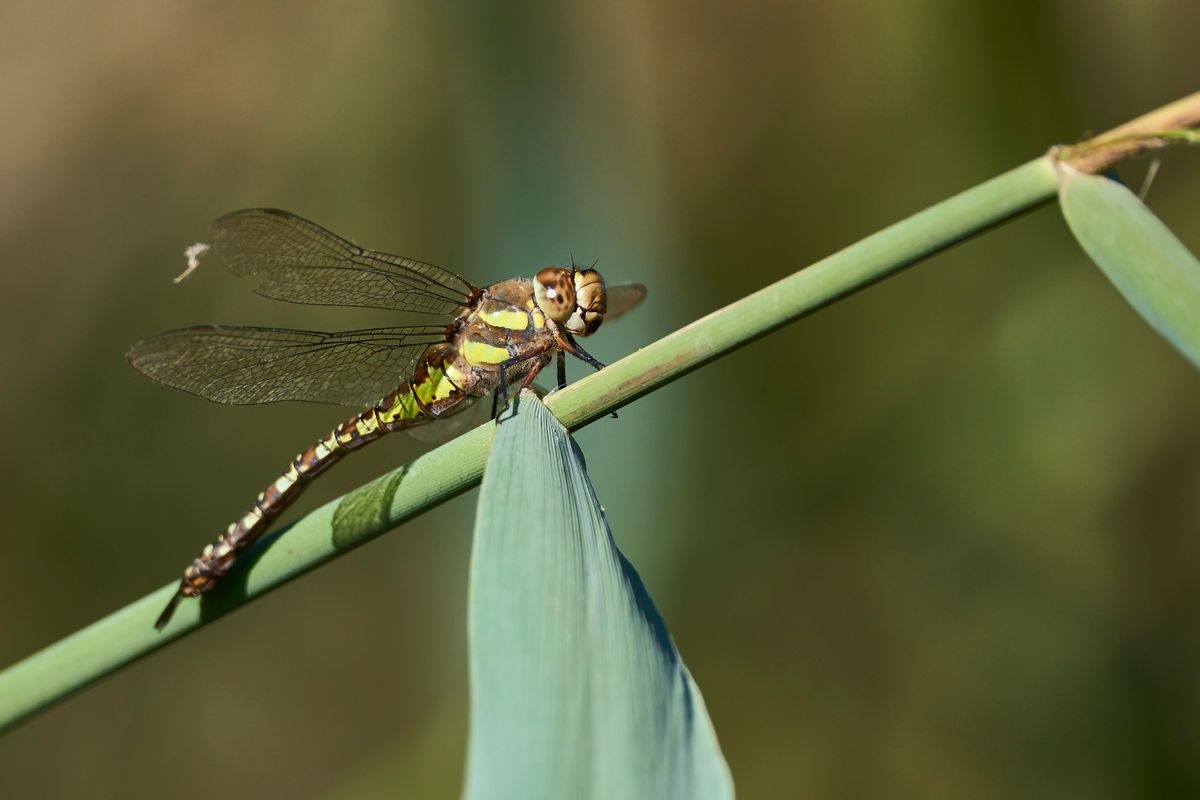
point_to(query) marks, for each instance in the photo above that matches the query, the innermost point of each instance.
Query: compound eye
(554, 292)
(589, 291)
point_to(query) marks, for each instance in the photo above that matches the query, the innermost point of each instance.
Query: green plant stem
(54, 673)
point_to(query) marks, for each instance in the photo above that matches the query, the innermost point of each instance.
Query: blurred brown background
(940, 540)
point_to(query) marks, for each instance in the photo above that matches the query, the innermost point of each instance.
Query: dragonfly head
(574, 298)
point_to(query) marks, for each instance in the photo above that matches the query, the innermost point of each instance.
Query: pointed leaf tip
(1150, 267)
(576, 687)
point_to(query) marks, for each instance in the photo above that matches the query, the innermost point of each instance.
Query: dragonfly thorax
(574, 298)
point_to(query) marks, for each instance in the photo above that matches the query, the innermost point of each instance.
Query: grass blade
(576, 687)
(1139, 254)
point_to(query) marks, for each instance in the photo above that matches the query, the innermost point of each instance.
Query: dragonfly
(481, 342)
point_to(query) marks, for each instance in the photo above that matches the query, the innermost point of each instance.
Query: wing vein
(243, 365)
(302, 262)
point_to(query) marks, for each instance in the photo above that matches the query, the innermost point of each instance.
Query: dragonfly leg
(502, 392)
(534, 353)
(568, 343)
(537, 367)
(561, 384)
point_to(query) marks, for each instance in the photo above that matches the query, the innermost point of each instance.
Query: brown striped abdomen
(218, 557)
(431, 394)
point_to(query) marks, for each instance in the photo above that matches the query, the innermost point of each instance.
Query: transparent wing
(622, 298)
(303, 263)
(245, 365)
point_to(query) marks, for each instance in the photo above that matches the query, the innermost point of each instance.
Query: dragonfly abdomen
(218, 557)
(433, 392)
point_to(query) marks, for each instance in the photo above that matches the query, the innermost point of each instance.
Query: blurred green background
(940, 540)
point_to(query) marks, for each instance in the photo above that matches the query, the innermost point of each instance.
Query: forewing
(622, 297)
(302, 262)
(245, 365)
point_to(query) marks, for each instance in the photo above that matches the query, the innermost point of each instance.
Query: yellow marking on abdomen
(404, 407)
(506, 318)
(478, 353)
(435, 387)
(427, 388)
(366, 425)
(445, 386)
(455, 375)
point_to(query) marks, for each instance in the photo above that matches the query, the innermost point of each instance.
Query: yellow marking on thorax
(506, 318)
(478, 353)
(539, 319)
